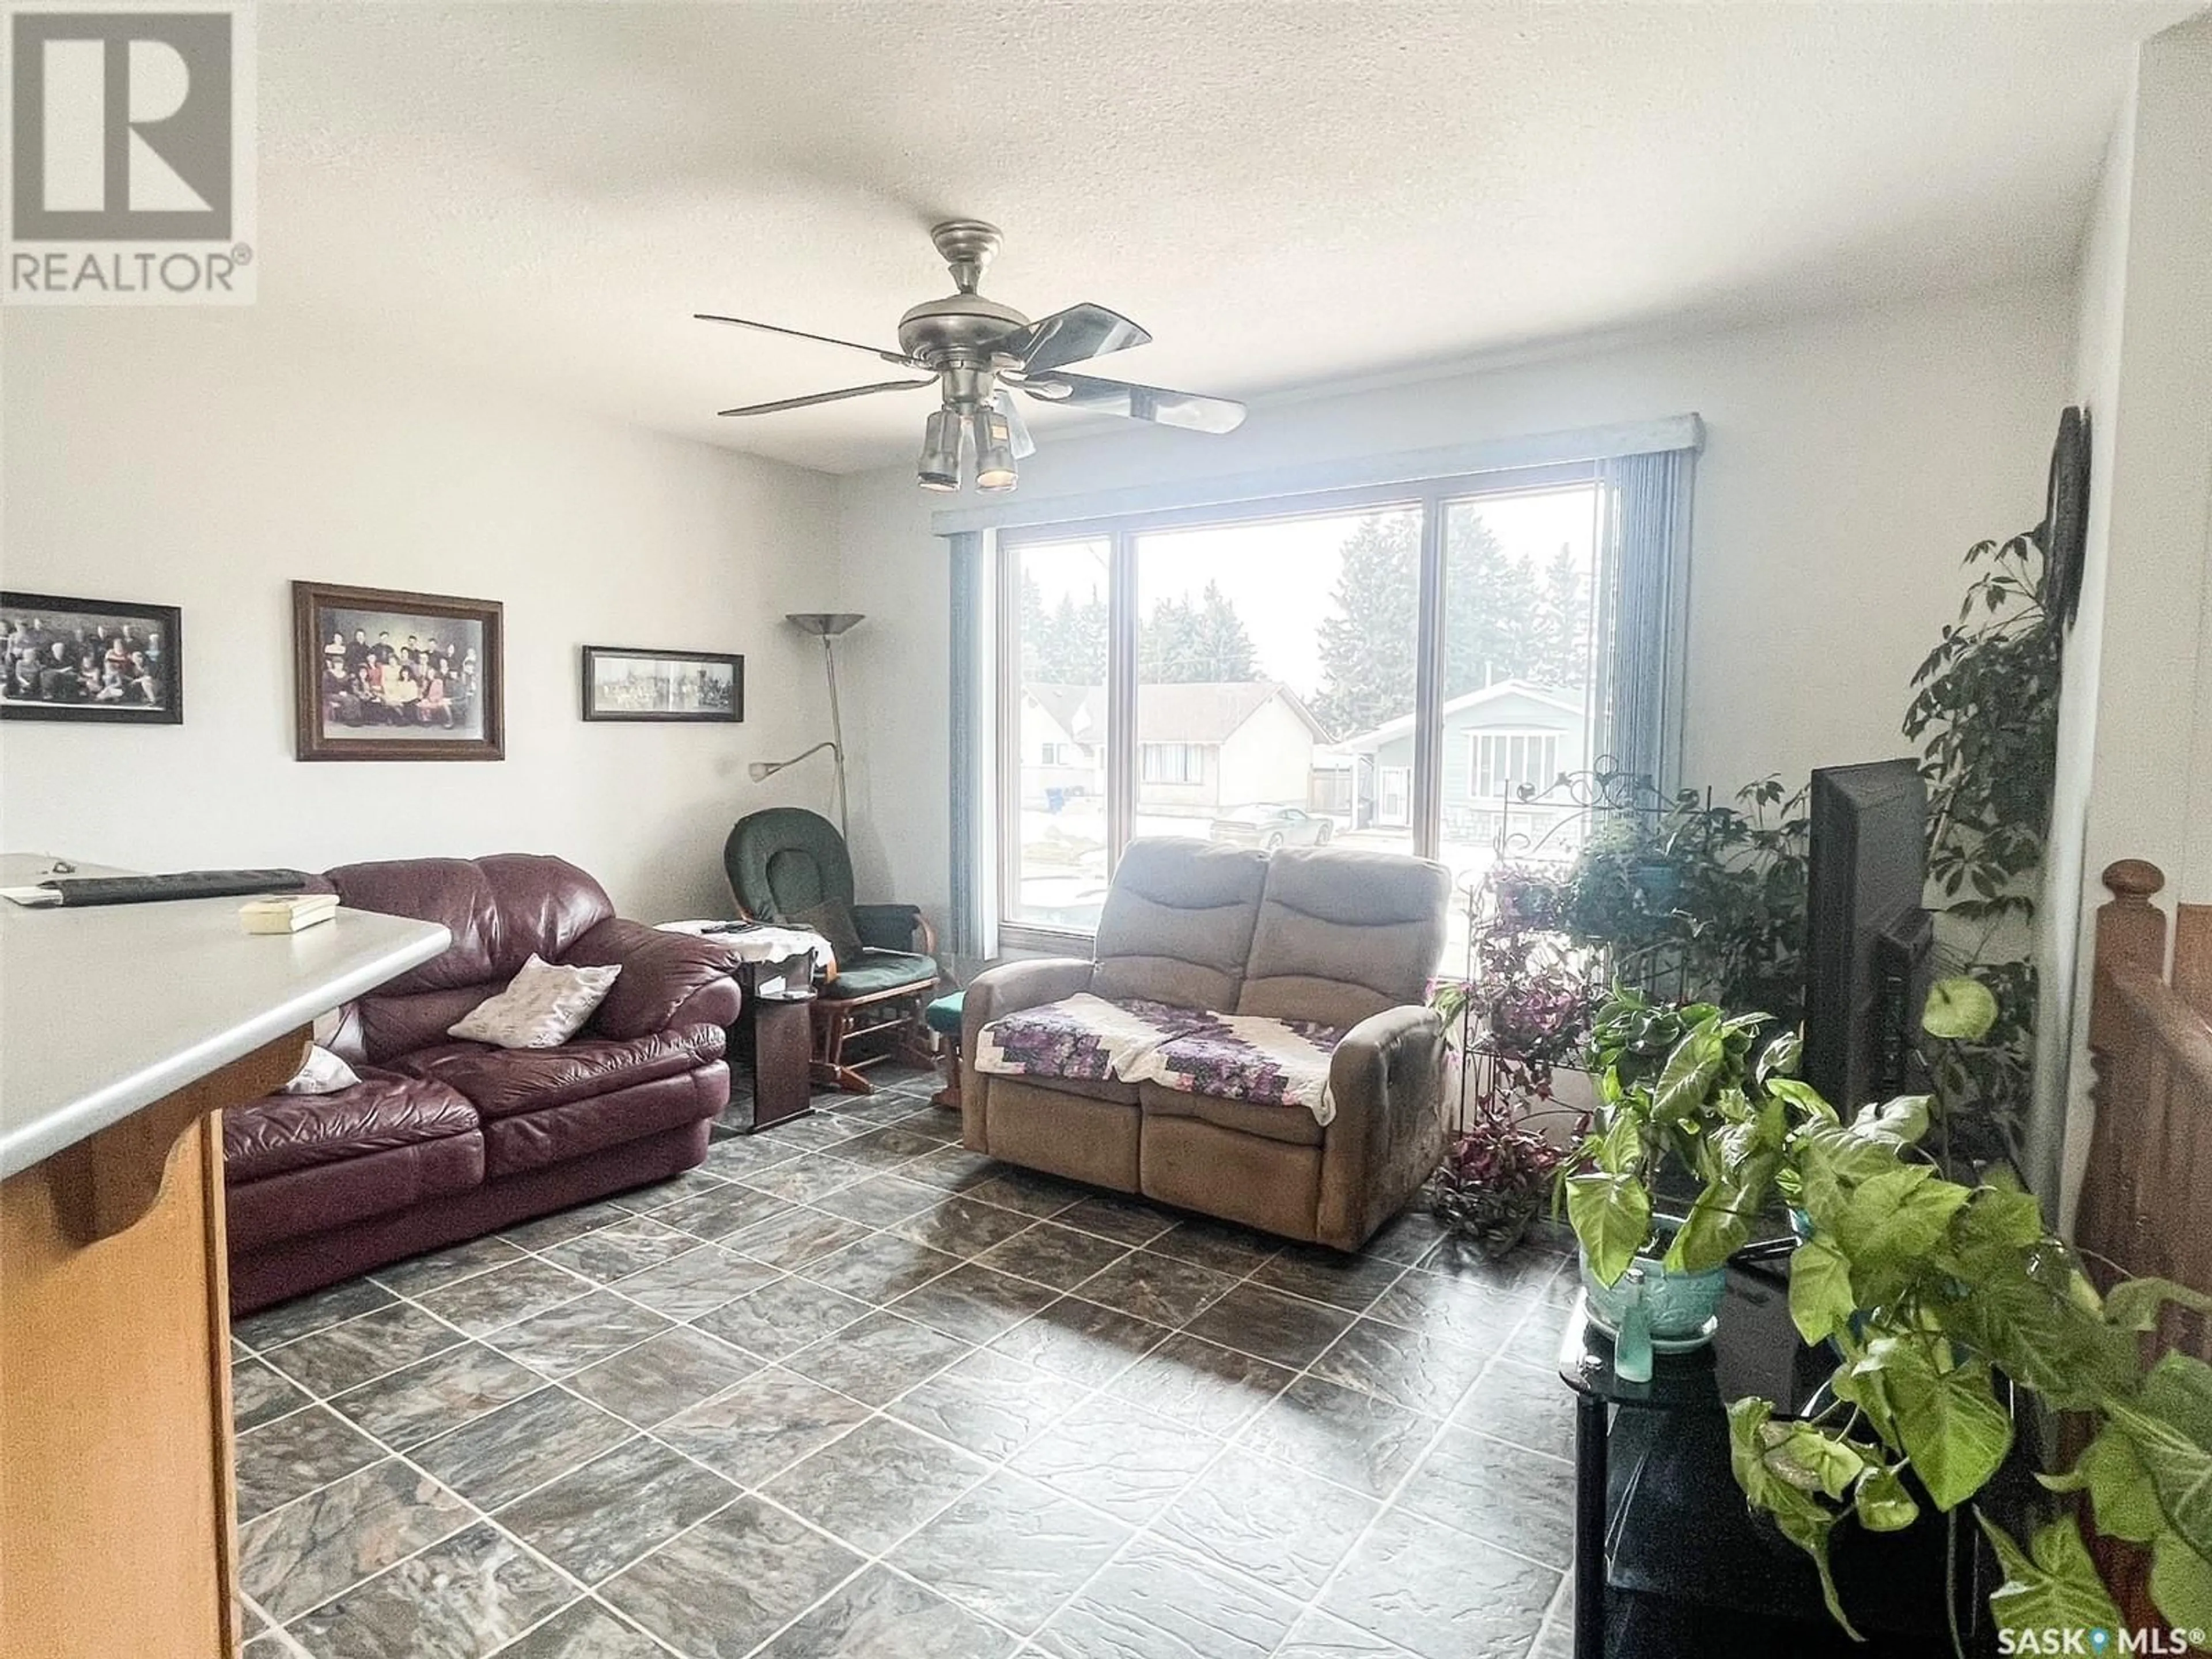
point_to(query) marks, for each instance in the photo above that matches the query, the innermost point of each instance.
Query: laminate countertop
(104, 1009)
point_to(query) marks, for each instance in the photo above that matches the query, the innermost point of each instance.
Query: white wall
(206, 459)
(1850, 462)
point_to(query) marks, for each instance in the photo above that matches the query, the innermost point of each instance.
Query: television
(1870, 942)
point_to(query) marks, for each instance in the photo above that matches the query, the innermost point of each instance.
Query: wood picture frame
(626, 682)
(100, 662)
(381, 674)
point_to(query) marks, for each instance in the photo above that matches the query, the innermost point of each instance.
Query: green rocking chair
(787, 865)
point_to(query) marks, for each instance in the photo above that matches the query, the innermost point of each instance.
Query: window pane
(1058, 855)
(1275, 676)
(1518, 626)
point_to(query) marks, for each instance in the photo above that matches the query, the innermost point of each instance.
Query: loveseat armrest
(1006, 989)
(668, 979)
(895, 927)
(1386, 1078)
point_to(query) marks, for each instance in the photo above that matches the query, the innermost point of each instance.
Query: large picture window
(1260, 677)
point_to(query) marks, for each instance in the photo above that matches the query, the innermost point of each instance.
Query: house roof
(1198, 711)
(1566, 702)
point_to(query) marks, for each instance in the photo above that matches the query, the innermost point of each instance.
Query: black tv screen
(1868, 939)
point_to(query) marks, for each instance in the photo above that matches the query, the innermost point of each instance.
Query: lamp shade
(827, 624)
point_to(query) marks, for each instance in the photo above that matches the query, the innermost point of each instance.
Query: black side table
(1669, 1560)
(775, 1038)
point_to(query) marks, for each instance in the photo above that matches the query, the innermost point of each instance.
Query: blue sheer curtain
(974, 932)
(1645, 547)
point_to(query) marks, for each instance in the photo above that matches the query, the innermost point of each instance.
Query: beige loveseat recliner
(1345, 938)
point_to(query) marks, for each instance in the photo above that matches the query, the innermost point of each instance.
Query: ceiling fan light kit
(977, 351)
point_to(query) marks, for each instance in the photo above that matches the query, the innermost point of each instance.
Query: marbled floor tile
(345, 1356)
(647, 1200)
(460, 1599)
(762, 1425)
(1200, 1384)
(1520, 1501)
(878, 1357)
(797, 1236)
(298, 1557)
(258, 1395)
(1221, 1245)
(876, 1485)
(935, 1124)
(1407, 1238)
(563, 1225)
(1526, 1404)
(585, 1629)
(500, 1298)
(500, 1456)
(596, 1520)
(288, 1320)
(974, 1304)
(434, 1395)
(655, 1380)
(1053, 1254)
(617, 1251)
(1318, 1635)
(1011, 1551)
(732, 1159)
(1155, 1602)
(1462, 1310)
(578, 1333)
(880, 1269)
(281, 1460)
(1083, 1341)
(1110, 1215)
(813, 1133)
(1029, 1191)
(697, 1282)
(783, 1316)
(881, 1201)
(1287, 1329)
(885, 1148)
(1439, 1594)
(806, 1178)
(1344, 1435)
(952, 1168)
(1555, 1641)
(1421, 1373)
(1318, 1274)
(989, 1403)
(1118, 1457)
(880, 1615)
(960, 1226)
(1285, 1528)
(1526, 1272)
(448, 1267)
(1536, 1341)
(724, 1209)
(720, 1590)
(1156, 1287)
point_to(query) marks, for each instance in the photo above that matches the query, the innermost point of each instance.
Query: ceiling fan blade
(899, 357)
(1157, 403)
(782, 404)
(1073, 336)
(1017, 430)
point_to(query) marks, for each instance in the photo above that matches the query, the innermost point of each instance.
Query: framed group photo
(623, 683)
(99, 661)
(385, 675)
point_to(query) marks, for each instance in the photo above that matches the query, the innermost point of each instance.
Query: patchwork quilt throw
(1083, 1037)
(1268, 1062)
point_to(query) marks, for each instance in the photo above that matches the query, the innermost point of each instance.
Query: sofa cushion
(1177, 924)
(533, 1140)
(315, 1200)
(503, 1082)
(499, 910)
(1343, 933)
(880, 970)
(1293, 1125)
(282, 1132)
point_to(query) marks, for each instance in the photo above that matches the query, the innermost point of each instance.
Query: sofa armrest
(1386, 1078)
(1003, 990)
(895, 927)
(668, 979)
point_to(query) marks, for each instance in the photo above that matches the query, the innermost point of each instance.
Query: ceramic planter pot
(1684, 1309)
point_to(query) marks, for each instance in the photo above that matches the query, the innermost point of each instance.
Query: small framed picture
(382, 675)
(624, 684)
(91, 659)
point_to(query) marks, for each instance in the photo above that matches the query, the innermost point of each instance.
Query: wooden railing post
(2131, 932)
(2130, 929)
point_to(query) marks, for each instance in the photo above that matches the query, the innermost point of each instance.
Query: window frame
(1120, 532)
(1539, 735)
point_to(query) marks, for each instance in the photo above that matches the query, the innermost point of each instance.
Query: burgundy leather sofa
(443, 1140)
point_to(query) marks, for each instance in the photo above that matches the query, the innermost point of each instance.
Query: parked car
(1270, 826)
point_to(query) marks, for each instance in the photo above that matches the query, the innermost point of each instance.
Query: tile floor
(849, 1390)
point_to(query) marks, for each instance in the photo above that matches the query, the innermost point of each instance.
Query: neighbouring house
(1200, 746)
(1495, 741)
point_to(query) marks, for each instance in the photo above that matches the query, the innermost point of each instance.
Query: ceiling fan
(977, 352)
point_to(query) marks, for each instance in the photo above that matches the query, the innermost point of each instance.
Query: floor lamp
(825, 625)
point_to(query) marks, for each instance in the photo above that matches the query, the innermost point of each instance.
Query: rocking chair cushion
(877, 972)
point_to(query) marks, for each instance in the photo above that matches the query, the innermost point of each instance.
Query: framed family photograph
(622, 683)
(384, 675)
(91, 659)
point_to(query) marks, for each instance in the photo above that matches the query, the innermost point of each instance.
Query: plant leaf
(1881, 1501)
(2181, 1584)
(1820, 1300)
(2124, 1503)
(2133, 1305)
(1611, 1215)
(1959, 1008)
(1948, 1421)
(2055, 1588)
(1900, 1121)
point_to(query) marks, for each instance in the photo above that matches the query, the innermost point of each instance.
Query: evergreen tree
(1182, 642)
(1064, 645)
(1563, 624)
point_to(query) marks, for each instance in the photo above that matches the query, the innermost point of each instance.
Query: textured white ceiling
(1285, 194)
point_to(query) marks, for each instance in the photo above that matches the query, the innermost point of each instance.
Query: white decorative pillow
(543, 1008)
(321, 1073)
